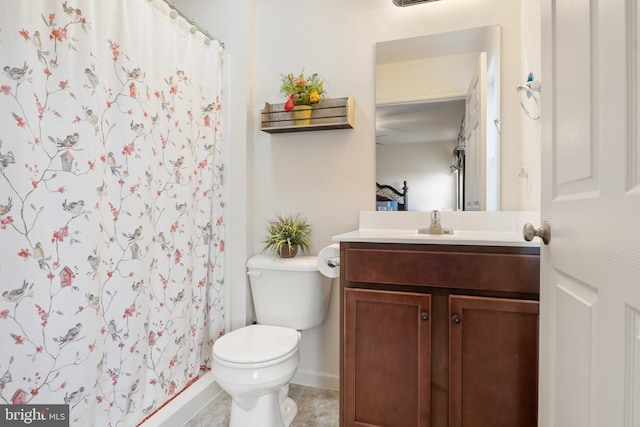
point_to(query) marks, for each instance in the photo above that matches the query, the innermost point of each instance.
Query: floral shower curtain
(111, 209)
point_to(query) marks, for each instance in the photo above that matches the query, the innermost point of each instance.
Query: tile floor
(317, 407)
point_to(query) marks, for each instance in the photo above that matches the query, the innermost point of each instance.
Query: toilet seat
(256, 345)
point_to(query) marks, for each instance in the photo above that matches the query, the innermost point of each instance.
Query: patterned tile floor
(317, 407)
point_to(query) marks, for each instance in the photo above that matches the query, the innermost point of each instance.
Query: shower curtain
(111, 206)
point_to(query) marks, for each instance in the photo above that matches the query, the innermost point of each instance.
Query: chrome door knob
(544, 232)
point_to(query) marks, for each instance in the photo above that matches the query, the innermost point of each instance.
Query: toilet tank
(288, 292)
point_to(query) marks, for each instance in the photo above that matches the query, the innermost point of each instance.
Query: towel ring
(529, 88)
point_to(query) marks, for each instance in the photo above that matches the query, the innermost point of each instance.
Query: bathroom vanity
(438, 331)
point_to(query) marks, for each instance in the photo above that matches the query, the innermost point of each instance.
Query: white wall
(531, 130)
(327, 175)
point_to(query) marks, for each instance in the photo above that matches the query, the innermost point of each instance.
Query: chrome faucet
(435, 227)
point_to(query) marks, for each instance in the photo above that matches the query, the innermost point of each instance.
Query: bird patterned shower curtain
(111, 206)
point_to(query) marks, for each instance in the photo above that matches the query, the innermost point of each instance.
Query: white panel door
(590, 270)
(476, 138)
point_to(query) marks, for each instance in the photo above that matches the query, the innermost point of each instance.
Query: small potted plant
(287, 234)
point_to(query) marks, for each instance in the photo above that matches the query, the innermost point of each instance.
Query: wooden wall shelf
(335, 113)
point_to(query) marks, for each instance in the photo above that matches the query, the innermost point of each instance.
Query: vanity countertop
(479, 238)
(469, 228)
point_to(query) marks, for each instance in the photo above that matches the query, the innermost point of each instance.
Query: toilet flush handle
(254, 273)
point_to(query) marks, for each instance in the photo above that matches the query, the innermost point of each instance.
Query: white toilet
(254, 364)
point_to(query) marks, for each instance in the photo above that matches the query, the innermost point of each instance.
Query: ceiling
(419, 122)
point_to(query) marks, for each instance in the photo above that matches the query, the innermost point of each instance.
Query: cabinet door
(493, 362)
(387, 358)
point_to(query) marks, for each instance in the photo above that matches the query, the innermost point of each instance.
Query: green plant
(302, 90)
(288, 231)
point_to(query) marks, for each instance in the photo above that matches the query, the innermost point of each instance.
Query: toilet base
(289, 410)
(266, 411)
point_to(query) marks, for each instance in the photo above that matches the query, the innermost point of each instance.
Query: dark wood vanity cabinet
(493, 362)
(392, 339)
(438, 335)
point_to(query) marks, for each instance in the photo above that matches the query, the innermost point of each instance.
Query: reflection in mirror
(405, 151)
(437, 110)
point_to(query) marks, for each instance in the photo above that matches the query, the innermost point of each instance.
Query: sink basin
(425, 231)
(434, 236)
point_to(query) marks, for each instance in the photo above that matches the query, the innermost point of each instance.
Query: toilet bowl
(255, 364)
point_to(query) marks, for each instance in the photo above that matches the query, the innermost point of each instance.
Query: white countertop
(469, 228)
(479, 238)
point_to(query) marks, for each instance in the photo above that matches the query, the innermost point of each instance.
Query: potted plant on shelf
(303, 93)
(287, 234)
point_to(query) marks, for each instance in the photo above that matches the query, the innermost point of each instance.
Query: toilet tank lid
(272, 262)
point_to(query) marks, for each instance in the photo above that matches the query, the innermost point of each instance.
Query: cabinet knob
(456, 318)
(424, 315)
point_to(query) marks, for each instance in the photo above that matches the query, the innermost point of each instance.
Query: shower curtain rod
(191, 21)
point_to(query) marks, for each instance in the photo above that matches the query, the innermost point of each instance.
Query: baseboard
(317, 379)
(187, 404)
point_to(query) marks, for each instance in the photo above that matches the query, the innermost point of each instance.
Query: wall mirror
(438, 120)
